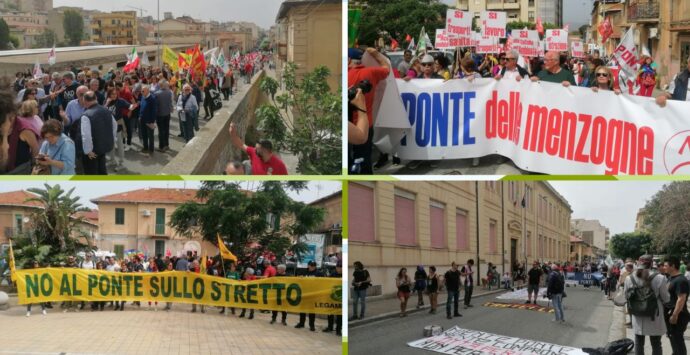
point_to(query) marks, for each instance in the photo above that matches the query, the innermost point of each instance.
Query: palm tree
(54, 227)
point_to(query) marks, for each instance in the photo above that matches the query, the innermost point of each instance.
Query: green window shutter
(160, 220)
(119, 216)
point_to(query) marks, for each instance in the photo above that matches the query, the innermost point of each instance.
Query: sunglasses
(427, 64)
(602, 74)
(509, 58)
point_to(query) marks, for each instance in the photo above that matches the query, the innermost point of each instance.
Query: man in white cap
(428, 68)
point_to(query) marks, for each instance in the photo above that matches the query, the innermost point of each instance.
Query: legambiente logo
(337, 293)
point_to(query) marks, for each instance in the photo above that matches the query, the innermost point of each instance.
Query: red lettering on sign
(458, 14)
(493, 15)
(555, 32)
(503, 117)
(619, 145)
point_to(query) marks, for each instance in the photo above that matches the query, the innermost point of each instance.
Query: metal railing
(11, 232)
(643, 11)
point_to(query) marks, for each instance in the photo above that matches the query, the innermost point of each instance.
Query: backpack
(641, 299)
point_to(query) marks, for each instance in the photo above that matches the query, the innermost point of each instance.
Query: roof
(574, 239)
(287, 5)
(326, 198)
(18, 198)
(151, 195)
(89, 216)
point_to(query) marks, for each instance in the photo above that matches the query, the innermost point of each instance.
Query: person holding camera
(361, 281)
(358, 133)
(366, 79)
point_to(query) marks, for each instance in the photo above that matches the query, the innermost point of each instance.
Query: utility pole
(158, 36)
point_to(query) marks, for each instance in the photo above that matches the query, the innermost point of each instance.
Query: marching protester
(334, 321)
(432, 289)
(555, 291)
(676, 314)
(420, 278)
(402, 281)
(311, 272)
(467, 273)
(280, 272)
(677, 88)
(451, 281)
(648, 317)
(35, 265)
(361, 280)
(604, 80)
(553, 72)
(511, 69)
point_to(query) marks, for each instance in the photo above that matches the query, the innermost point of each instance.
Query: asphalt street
(587, 314)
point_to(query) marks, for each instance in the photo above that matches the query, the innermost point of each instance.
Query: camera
(365, 85)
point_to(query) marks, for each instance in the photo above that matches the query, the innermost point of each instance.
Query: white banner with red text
(542, 127)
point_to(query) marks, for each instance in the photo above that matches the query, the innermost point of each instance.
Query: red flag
(394, 44)
(408, 38)
(540, 26)
(605, 30)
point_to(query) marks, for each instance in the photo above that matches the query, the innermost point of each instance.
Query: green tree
(630, 245)
(54, 229)
(518, 25)
(666, 216)
(305, 119)
(73, 23)
(4, 35)
(46, 39)
(400, 18)
(243, 218)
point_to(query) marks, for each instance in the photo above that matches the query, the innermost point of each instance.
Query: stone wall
(210, 150)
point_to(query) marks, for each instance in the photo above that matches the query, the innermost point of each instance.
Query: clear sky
(88, 190)
(613, 203)
(261, 12)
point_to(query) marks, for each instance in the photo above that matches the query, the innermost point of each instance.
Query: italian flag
(132, 60)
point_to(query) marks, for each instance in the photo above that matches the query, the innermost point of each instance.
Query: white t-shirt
(89, 265)
(114, 268)
(511, 74)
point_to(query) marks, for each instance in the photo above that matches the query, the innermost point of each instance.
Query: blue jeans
(455, 296)
(557, 300)
(359, 295)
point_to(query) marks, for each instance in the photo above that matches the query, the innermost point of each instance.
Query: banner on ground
(520, 294)
(577, 50)
(314, 252)
(457, 340)
(557, 40)
(493, 24)
(525, 306)
(291, 294)
(459, 27)
(542, 127)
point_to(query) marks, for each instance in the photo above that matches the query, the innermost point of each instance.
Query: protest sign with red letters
(493, 24)
(557, 40)
(459, 27)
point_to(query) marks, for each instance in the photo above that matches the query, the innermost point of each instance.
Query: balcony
(462, 5)
(159, 229)
(643, 12)
(12, 232)
(492, 5)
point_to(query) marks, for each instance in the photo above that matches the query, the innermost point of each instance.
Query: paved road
(587, 313)
(140, 331)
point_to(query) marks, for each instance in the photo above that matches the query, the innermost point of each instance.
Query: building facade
(593, 233)
(517, 10)
(139, 220)
(332, 226)
(404, 224)
(580, 251)
(640, 224)
(117, 27)
(15, 218)
(304, 24)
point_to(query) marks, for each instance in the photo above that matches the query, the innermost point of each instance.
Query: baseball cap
(355, 53)
(312, 263)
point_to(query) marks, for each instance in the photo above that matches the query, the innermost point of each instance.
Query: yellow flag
(170, 58)
(224, 252)
(203, 264)
(13, 269)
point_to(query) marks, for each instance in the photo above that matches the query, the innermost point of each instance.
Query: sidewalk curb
(367, 320)
(618, 328)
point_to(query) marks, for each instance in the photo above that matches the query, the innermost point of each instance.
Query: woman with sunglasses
(603, 80)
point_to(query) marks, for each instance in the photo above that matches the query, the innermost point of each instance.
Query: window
(160, 247)
(528, 240)
(361, 213)
(119, 250)
(120, 216)
(438, 224)
(18, 223)
(404, 218)
(160, 220)
(492, 237)
(462, 238)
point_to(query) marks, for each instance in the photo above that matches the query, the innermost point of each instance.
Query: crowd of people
(593, 71)
(259, 268)
(83, 120)
(655, 293)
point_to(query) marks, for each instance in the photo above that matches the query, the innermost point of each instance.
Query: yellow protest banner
(291, 294)
(13, 268)
(170, 58)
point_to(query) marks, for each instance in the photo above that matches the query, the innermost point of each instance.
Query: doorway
(513, 254)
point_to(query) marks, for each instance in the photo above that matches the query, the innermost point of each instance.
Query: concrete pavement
(588, 319)
(141, 331)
